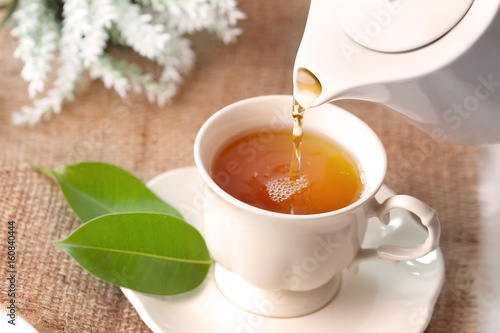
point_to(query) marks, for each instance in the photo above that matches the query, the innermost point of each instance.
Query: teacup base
(274, 303)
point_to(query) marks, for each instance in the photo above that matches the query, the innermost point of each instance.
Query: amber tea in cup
(255, 168)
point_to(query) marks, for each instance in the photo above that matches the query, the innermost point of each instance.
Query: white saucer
(382, 298)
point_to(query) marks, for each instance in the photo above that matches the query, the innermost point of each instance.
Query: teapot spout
(324, 69)
(308, 90)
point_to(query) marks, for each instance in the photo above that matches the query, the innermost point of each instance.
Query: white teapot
(435, 62)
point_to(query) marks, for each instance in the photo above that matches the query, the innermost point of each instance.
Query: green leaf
(151, 253)
(95, 189)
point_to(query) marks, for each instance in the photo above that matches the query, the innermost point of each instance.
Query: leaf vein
(86, 195)
(192, 261)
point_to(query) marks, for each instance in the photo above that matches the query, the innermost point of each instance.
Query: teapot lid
(400, 25)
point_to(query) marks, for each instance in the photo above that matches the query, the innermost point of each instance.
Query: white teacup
(283, 265)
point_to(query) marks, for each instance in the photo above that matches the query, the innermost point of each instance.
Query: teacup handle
(390, 253)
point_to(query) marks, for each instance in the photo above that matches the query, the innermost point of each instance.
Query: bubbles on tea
(281, 189)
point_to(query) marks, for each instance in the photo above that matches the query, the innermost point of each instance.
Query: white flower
(101, 15)
(136, 29)
(124, 77)
(188, 16)
(153, 28)
(38, 34)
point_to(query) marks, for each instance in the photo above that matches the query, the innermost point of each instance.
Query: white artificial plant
(74, 35)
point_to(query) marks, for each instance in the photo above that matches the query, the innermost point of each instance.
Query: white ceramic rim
(255, 210)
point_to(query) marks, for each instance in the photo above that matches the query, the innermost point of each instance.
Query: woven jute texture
(55, 294)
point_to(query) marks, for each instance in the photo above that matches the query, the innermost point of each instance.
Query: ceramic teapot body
(443, 79)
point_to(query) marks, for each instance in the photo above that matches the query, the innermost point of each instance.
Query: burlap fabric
(55, 294)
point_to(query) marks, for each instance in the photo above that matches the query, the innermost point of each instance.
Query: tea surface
(255, 168)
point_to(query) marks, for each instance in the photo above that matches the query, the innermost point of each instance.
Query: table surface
(55, 294)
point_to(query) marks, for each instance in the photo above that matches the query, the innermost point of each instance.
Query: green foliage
(130, 237)
(95, 189)
(151, 253)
